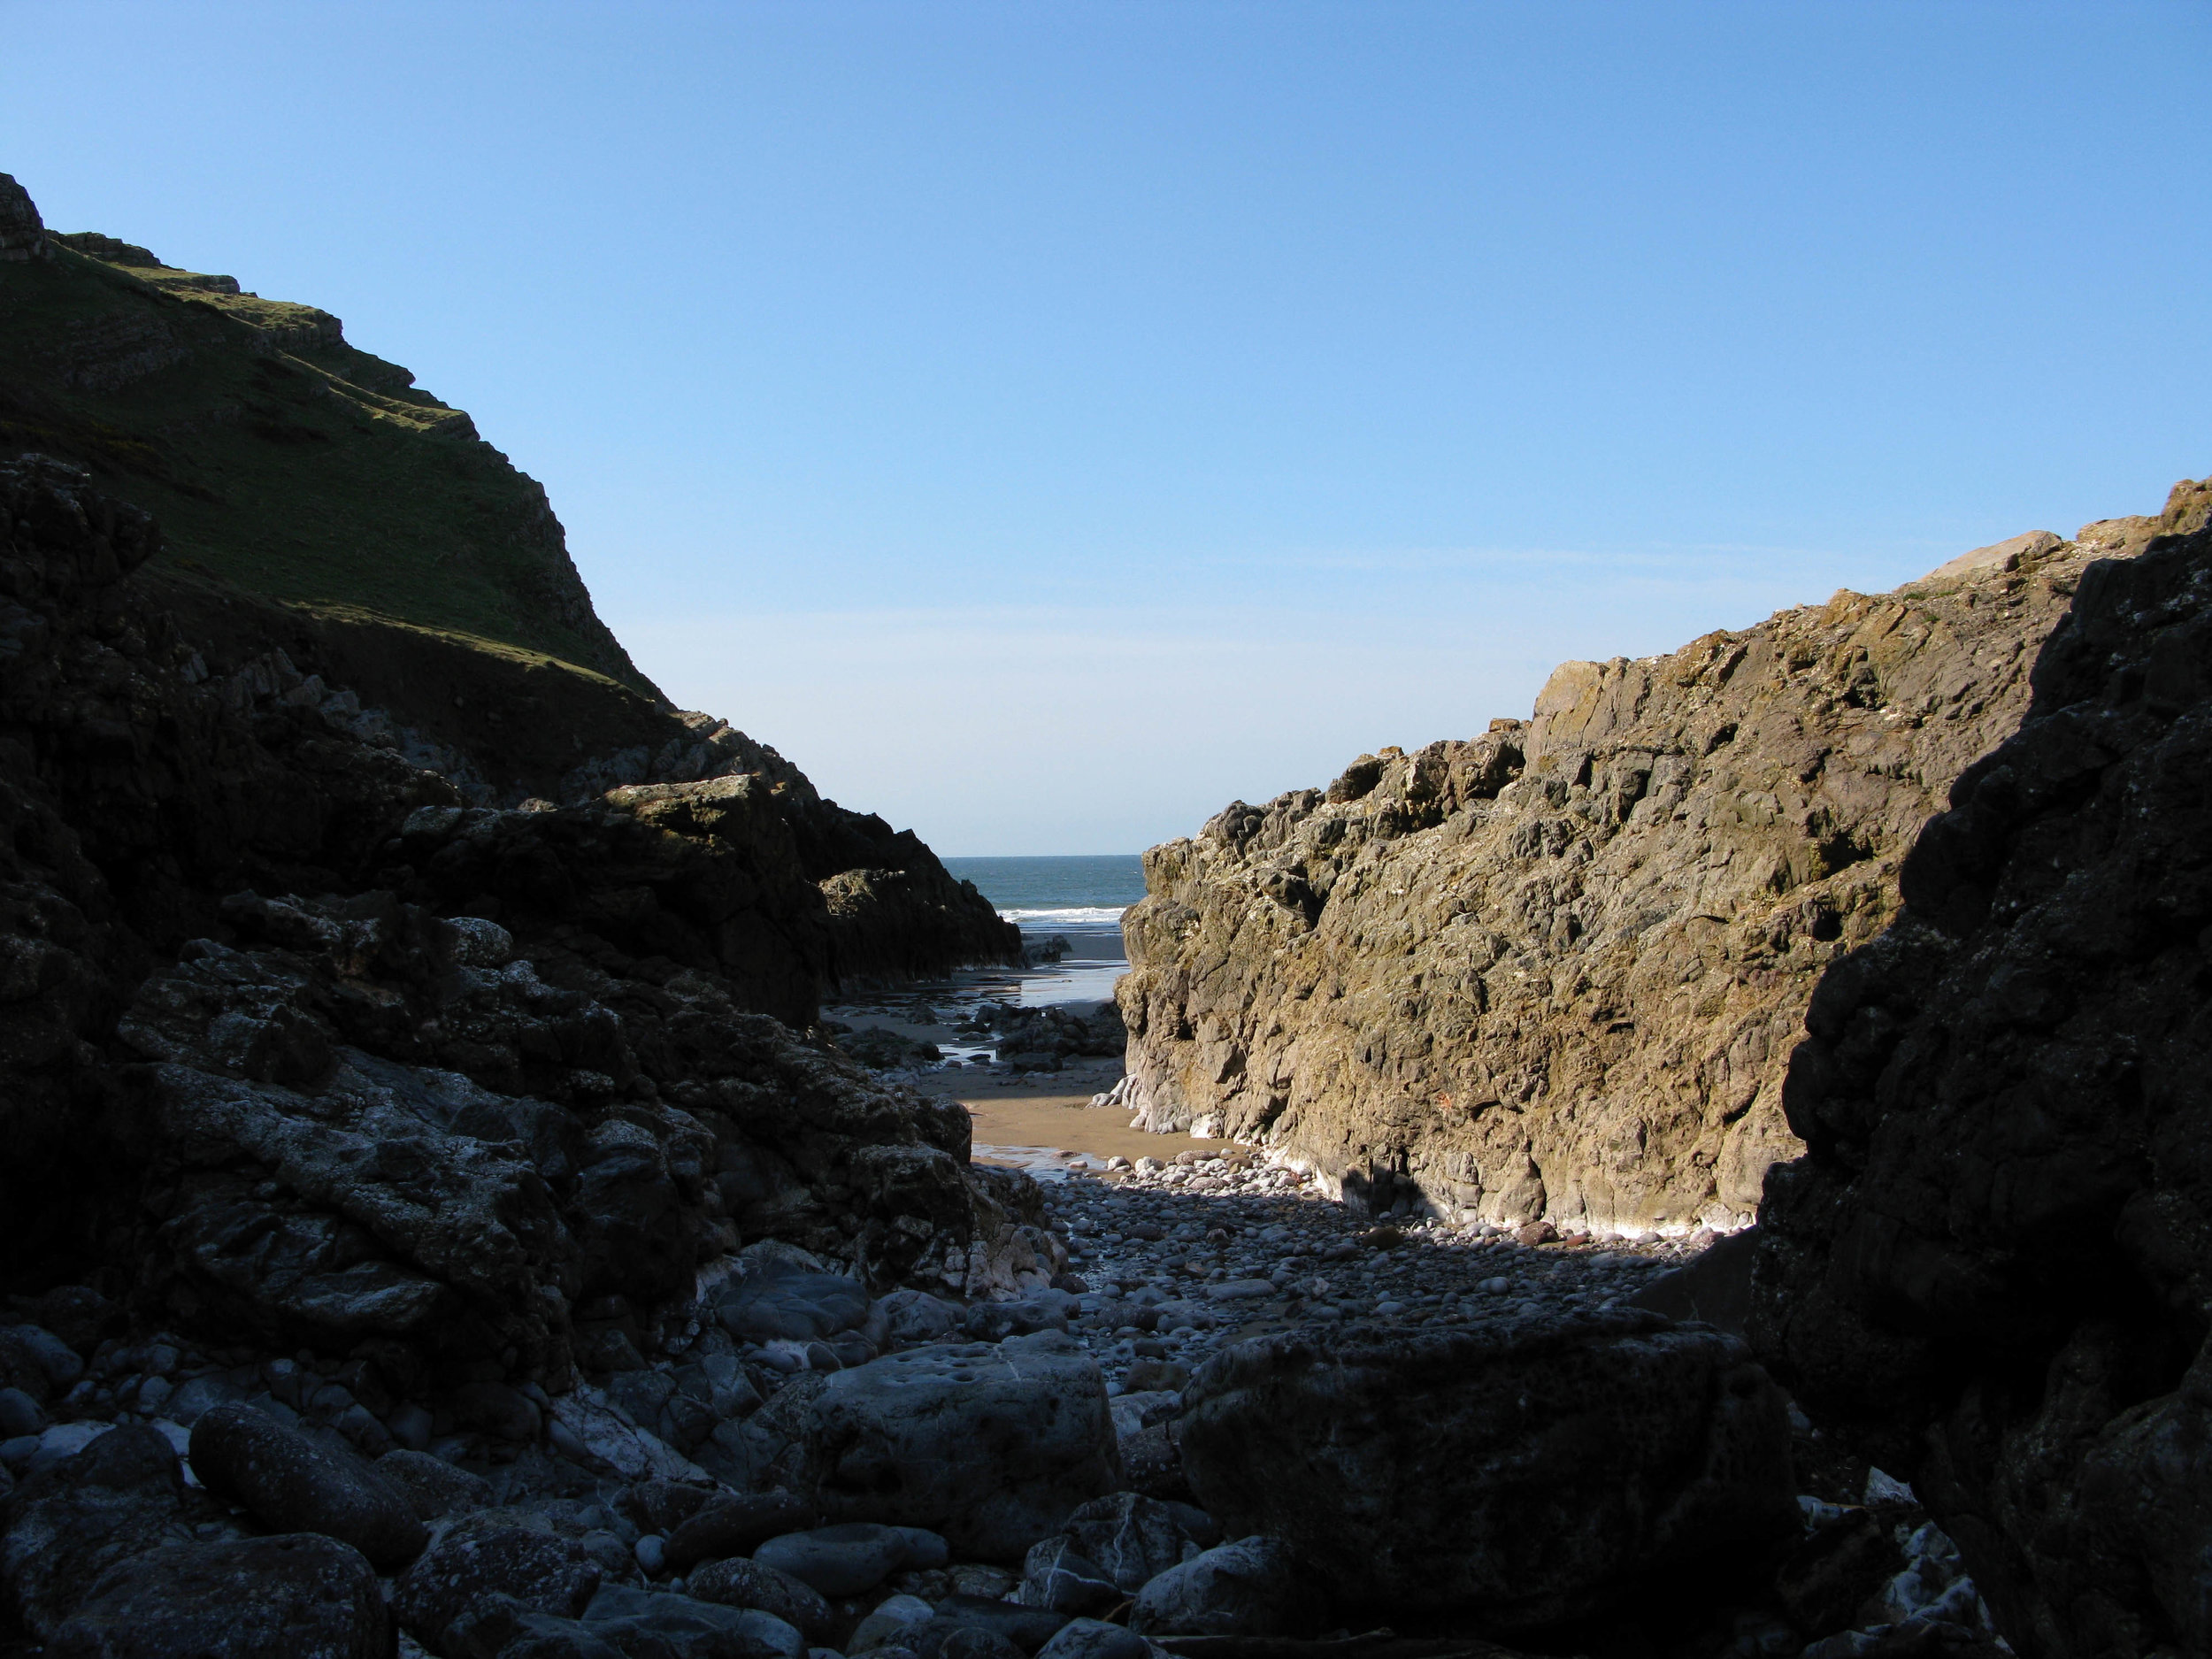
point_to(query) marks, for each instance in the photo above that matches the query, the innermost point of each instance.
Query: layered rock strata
(1995, 1260)
(1557, 971)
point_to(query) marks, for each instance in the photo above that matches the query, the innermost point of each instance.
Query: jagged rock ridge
(1558, 971)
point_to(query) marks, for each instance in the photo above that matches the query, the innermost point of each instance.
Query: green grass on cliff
(283, 461)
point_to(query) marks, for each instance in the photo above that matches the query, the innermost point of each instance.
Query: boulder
(853, 1558)
(69, 1522)
(794, 1307)
(736, 1525)
(915, 1316)
(939, 1640)
(1027, 1628)
(1134, 1538)
(293, 1484)
(538, 1571)
(647, 1624)
(1057, 1576)
(1989, 1269)
(1254, 1586)
(1520, 1471)
(435, 1487)
(500, 1627)
(753, 1584)
(21, 1415)
(1094, 1638)
(992, 1446)
(299, 1595)
(1713, 1287)
(891, 1624)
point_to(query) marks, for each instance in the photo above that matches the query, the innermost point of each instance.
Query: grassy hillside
(282, 461)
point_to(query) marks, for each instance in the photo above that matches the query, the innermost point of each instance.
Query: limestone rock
(1520, 1471)
(1992, 1263)
(1555, 972)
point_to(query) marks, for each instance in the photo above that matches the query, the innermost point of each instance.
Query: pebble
(1181, 1259)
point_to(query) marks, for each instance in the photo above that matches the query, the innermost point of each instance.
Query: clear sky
(1044, 422)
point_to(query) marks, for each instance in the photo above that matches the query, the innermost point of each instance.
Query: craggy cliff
(340, 535)
(1558, 972)
(296, 1044)
(1995, 1260)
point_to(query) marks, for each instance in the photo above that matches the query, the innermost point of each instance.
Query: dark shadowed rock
(68, 1523)
(538, 1571)
(643, 1624)
(938, 1640)
(1714, 1288)
(1991, 1265)
(1523, 1471)
(1133, 1537)
(297, 1596)
(1027, 1628)
(737, 1525)
(293, 1484)
(1094, 1638)
(1254, 1586)
(798, 1306)
(992, 1446)
(500, 1627)
(847, 1560)
(1055, 1575)
(435, 1487)
(754, 1584)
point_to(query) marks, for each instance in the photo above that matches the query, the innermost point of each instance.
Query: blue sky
(1045, 422)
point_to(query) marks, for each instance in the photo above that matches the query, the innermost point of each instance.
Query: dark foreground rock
(300, 1596)
(292, 1484)
(1522, 1471)
(1995, 1261)
(303, 1052)
(992, 1446)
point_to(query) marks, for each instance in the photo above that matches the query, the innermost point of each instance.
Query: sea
(1078, 899)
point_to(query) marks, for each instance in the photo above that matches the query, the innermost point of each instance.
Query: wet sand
(1053, 1115)
(1038, 1123)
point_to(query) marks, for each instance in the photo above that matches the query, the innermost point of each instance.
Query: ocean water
(1079, 899)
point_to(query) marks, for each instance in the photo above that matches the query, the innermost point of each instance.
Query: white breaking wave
(1078, 916)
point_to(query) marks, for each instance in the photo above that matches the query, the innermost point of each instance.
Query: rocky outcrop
(1994, 1263)
(23, 233)
(1556, 971)
(300, 1049)
(335, 536)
